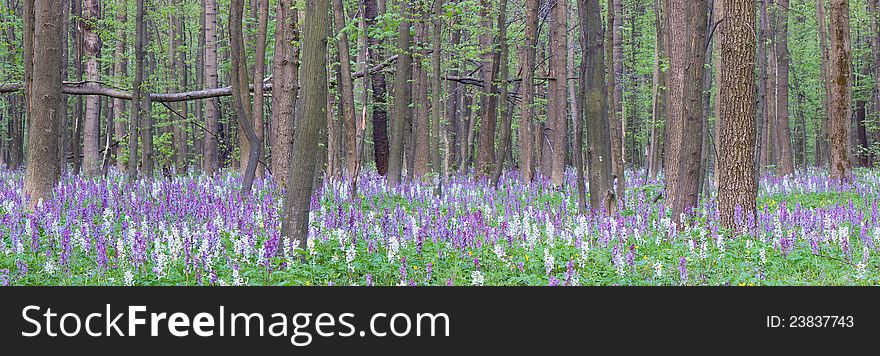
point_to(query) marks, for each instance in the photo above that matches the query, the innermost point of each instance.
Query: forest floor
(197, 230)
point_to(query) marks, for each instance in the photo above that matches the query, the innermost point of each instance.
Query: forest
(441, 142)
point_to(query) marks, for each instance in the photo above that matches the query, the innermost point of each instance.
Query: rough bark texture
(658, 94)
(421, 125)
(783, 132)
(137, 105)
(212, 107)
(436, 86)
(91, 121)
(285, 77)
(295, 214)
(402, 88)
(377, 83)
(737, 187)
(259, 73)
(761, 100)
(687, 20)
(841, 92)
(593, 92)
(42, 147)
(488, 98)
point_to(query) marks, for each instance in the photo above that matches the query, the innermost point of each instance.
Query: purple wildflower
(682, 269)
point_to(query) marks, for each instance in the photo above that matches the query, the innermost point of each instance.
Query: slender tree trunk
(377, 83)
(685, 123)
(120, 71)
(259, 74)
(505, 108)
(285, 79)
(137, 104)
(617, 119)
(212, 107)
(557, 88)
(822, 137)
(402, 99)
(874, 13)
(421, 122)
(241, 94)
(346, 91)
(527, 112)
(658, 93)
(295, 215)
(783, 132)
(761, 110)
(436, 86)
(593, 93)
(841, 91)
(769, 145)
(737, 190)
(488, 98)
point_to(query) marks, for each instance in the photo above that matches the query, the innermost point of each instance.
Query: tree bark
(240, 95)
(402, 99)
(91, 121)
(295, 214)
(658, 93)
(421, 122)
(593, 94)
(822, 137)
(527, 112)
(42, 146)
(436, 86)
(488, 98)
(737, 186)
(783, 132)
(120, 71)
(616, 85)
(841, 92)
(212, 107)
(377, 83)
(346, 91)
(285, 77)
(259, 73)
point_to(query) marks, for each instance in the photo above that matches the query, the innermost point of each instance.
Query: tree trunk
(137, 105)
(295, 215)
(377, 83)
(436, 86)
(120, 71)
(874, 13)
(841, 92)
(346, 91)
(285, 79)
(505, 108)
(91, 121)
(259, 73)
(761, 110)
(822, 137)
(658, 93)
(212, 107)
(783, 133)
(685, 123)
(488, 98)
(421, 122)
(402, 99)
(593, 94)
(42, 146)
(527, 112)
(737, 186)
(616, 79)
(241, 95)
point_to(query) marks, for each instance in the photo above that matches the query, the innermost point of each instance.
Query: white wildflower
(762, 255)
(128, 278)
(477, 278)
(549, 261)
(860, 270)
(49, 267)
(658, 269)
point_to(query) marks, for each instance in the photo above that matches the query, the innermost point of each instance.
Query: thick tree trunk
(841, 92)
(737, 190)
(42, 146)
(421, 125)
(783, 132)
(295, 215)
(402, 99)
(285, 78)
(593, 93)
